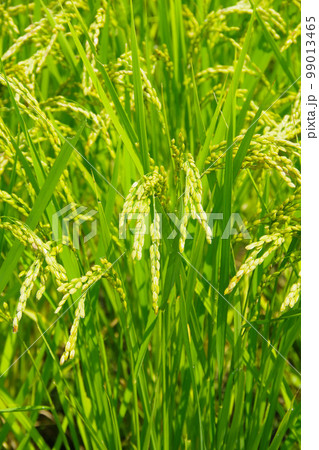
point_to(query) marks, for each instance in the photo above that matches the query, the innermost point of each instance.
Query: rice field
(150, 224)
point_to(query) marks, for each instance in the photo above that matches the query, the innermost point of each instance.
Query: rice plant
(150, 224)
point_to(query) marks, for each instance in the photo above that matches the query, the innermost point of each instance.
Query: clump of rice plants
(150, 224)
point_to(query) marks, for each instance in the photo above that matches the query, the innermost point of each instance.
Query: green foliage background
(92, 95)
